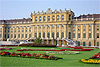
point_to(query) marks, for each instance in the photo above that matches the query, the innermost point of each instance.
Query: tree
(38, 40)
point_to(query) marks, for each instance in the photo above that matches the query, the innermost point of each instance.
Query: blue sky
(16, 9)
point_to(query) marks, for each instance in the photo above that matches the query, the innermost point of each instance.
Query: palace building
(54, 27)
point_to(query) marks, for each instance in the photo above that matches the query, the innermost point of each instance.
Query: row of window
(18, 27)
(53, 18)
(85, 29)
(49, 26)
(62, 25)
(84, 25)
(19, 36)
(84, 35)
(48, 35)
(84, 43)
(18, 31)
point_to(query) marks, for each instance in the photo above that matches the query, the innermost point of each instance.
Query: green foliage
(38, 40)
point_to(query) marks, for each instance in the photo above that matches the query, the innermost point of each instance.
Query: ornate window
(62, 17)
(62, 35)
(53, 17)
(84, 35)
(97, 35)
(83, 29)
(57, 17)
(83, 25)
(44, 18)
(97, 43)
(89, 25)
(78, 25)
(97, 25)
(14, 35)
(39, 35)
(22, 35)
(48, 18)
(73, 35)
(57, 25)
(57, 34)
(18, 35)
(48, 26)
(40, 18)
(73, 25)
(48, 35)
(35, 18)
(35, 34)
(29, 35)
(11, 35)
(25, 35)
(89, 29)
(53, 34)
(44, 26)
(78, 35)
(69, 25)
(43, 34)
(62, 25)
(69, 17)
(89, 35)
(53, 25)
(89, 43)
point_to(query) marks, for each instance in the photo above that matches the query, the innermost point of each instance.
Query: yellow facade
(54, 28)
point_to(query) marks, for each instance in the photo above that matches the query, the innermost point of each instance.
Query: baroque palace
(54, 27)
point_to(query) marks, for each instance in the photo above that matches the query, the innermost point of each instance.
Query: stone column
(81, 32)
(63, 42)
(57, 41)
(52, 41)
(47, 41)
(37, 30)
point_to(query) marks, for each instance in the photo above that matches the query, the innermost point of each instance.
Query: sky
(18, 9)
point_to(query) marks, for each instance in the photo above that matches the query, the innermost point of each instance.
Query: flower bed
(93, 59)
(37, 45)
(54, 50)
(5, 48)
(76, 49)
(96, 56)
(28, 55)
(38, 50)
(8, 45)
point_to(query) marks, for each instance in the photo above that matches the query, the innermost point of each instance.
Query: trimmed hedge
(37, 45)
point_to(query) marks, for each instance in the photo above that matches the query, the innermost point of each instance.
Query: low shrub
(37, 45)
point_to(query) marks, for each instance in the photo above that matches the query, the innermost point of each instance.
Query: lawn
(67, 61)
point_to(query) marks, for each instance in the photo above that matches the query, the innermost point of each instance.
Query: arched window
(62, 17)
(39, 35)
(48, 18)
(44, 18)
(69, 17)
(53, 34)
(43, 34)
(35, 34)
(57, 34)
(35, 18)
(57, 17)
(62, 35)
(48, 35)
(40, 18)
(83, 43)
(53, 17)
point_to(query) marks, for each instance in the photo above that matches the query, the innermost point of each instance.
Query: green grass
(67, 61)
